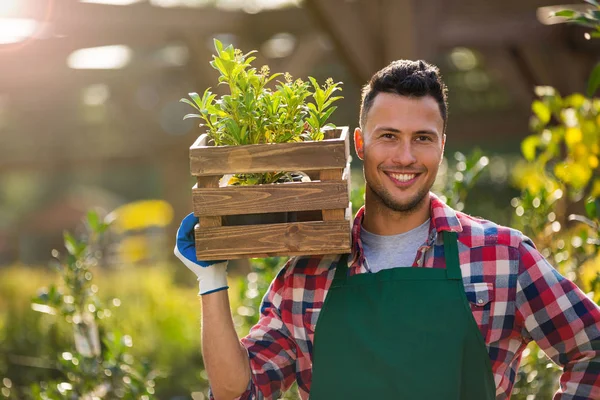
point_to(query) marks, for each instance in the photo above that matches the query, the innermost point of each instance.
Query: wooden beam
(368, 35)
(506, 66)
(398, 30)
(426, 40)
(308, 53)
(556, 66)
(70, 17)
(494, 30)
(341, 21)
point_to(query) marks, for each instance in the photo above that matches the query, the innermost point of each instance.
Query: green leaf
(314, 82)
(565, 13)
(93, 220)
(186, 101)
(529, 146)
(584, 21)
(218, 45)
(591, 208)
(312, 107)
(542, 111)
(194, 96)
(331, 100)
(71, 244)
(325, 116)
(217, 64)
(594, 81)
(592, 2)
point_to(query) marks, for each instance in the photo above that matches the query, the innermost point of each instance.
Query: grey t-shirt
(384, 252)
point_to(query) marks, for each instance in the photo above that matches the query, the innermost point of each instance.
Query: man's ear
(443, 147)
(359, 143)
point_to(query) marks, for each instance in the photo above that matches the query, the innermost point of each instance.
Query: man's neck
(381, 220)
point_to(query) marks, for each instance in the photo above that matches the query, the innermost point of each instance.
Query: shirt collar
(443, 218)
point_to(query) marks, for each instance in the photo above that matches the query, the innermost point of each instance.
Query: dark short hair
(406, 78)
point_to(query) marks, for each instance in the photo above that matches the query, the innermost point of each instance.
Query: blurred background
(90, 119)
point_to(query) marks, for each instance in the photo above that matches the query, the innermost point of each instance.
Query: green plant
(254, 113)
(466, 172)
(98, 364)
(588, 19)
(559, 207)
(155, 303)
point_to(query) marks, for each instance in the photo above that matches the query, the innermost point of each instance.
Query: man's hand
(212, 275)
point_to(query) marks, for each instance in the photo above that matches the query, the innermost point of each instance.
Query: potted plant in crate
(256, 140)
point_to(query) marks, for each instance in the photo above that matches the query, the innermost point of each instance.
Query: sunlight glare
(112, 2)
(105, 57)
(9, 7)
(13, 30)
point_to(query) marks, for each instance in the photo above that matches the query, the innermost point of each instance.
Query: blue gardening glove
(212, 275)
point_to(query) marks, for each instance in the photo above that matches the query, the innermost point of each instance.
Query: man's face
(402, 146)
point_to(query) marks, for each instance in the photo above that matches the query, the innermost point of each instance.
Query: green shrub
(161, 317)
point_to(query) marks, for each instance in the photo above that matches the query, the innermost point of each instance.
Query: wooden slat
(299, 238)
(335, 214)
(209, 221)
(289, 254)
(301, 156)
(301, 196)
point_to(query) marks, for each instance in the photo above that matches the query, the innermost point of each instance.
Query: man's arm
(270, 343)
(226, 360)
(269, 348)
(563, 321)
(263, 363)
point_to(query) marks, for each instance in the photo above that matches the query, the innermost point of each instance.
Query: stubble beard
(384, 198)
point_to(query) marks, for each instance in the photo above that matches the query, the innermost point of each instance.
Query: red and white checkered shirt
(516, 296)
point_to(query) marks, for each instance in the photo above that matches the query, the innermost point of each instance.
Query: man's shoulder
(478, 232)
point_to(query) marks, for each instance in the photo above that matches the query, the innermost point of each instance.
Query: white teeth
(403, 177)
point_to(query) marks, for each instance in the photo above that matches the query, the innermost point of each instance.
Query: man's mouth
(403, 177)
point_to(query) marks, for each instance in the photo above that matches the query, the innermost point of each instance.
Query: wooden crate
(322, 206)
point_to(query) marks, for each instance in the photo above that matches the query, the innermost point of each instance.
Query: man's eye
(388, 135)
(423, 138)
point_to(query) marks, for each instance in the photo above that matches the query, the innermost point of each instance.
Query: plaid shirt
(516, 296)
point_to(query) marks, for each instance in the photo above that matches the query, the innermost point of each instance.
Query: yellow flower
(141, 215)
(573, 136)
(587, 273)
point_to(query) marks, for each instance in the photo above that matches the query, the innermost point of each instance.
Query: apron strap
(341, 271)
(451, 255)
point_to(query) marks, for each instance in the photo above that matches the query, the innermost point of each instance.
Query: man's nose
(404, 154)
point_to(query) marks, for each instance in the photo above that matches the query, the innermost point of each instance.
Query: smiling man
(404, 139)
(431, 303)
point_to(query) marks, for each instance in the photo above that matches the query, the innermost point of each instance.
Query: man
(431, 304)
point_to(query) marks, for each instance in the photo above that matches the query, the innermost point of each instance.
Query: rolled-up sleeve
(563, 321)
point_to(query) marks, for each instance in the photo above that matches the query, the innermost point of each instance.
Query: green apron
(401, 333)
